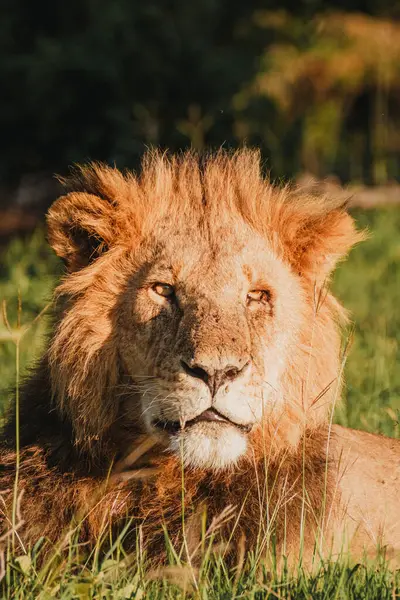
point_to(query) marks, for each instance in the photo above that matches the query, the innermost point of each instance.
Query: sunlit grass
(368, 284)
(117, 578)
(28, 272)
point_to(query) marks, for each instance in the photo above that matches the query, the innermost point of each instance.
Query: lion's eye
(163, 289)
(259, 296)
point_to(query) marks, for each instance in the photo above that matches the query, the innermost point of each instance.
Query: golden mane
(184, 186)
(116, 211)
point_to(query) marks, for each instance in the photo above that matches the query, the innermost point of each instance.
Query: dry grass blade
(19, 522)
(11, 531)
(132, 474)
(5, 318)
(147, 444)
(177, 575)
(217, 522)
(15, 335)
(122, 471)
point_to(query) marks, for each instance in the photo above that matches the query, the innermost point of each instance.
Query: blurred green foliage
(315, 84)
(368, 284)
(29, 270)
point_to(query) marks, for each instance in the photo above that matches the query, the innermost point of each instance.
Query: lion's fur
(72, 429)
(304, 231)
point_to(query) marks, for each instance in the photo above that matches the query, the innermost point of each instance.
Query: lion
(192, 368)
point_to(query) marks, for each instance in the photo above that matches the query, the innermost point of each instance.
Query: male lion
(195, 311)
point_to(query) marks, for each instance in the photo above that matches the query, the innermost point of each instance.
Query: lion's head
(195, 306)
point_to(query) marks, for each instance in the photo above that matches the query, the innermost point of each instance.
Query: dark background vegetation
(315, 84)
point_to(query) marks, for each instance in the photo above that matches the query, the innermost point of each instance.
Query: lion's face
(194, 307)
(205, 333)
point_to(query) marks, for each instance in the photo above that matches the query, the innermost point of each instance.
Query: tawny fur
(80, 411)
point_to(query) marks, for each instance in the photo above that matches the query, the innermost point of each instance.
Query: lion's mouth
(210, 415)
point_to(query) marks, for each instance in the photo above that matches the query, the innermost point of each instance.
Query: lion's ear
(80, 228)
(316, 240)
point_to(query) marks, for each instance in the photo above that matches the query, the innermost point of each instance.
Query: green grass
(28, 272)
(113, 580)
(368, 284)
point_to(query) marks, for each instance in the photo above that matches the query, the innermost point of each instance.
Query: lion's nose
(214, 378)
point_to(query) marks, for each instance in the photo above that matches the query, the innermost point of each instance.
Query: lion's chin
(208, 445)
